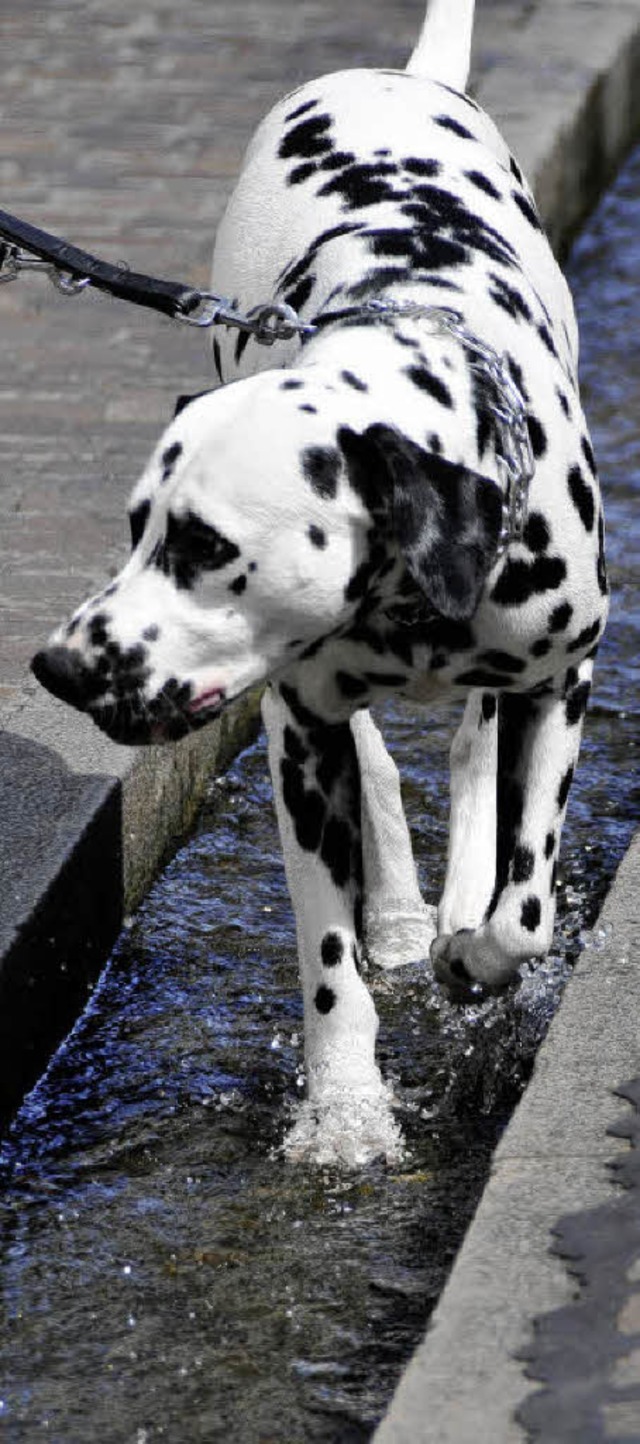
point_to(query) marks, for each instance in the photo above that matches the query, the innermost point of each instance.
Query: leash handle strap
(170, 297)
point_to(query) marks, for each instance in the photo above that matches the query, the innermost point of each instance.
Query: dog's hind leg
(471, 859)
(316, 781)
(538, 743)
(399, 927)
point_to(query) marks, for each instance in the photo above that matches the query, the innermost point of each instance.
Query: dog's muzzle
(114, 699)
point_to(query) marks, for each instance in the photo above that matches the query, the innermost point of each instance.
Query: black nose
(63, 672)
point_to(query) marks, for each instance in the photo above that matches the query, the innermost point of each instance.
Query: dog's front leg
(316, 781)
(538, 742)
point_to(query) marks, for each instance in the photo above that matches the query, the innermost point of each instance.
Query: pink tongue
(207, 699)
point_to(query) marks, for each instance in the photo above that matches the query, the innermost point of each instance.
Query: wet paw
(344, 1132)
(470, 966)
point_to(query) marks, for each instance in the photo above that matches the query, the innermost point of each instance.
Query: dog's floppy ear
(446, 518)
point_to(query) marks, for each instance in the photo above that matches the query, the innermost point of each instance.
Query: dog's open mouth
(170, 716)
(209, 701)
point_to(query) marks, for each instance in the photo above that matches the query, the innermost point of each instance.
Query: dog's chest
(395, 645)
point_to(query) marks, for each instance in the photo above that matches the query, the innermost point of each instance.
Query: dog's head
(250, 525)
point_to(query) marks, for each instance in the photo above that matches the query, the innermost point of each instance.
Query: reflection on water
(165, 1275)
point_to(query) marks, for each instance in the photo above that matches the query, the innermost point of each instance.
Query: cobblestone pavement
(123, 128)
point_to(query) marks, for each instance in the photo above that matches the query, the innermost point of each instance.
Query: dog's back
(442, 54)
(379, 178)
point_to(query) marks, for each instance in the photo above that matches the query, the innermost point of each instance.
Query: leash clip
(267, 323)
(13, 262)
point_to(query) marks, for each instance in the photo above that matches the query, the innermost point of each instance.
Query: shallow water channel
(166, 1275)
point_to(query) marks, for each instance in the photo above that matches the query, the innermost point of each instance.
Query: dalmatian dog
(330, 521)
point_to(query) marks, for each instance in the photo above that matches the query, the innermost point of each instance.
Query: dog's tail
(443, 51)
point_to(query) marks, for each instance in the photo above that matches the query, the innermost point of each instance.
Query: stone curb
(570, 110)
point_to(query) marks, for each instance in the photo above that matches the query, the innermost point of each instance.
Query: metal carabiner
(276, 321)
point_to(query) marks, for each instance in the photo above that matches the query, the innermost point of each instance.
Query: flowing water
(166, 1274)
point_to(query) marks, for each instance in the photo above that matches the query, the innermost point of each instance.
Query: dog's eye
(191, 547)
(138, 522)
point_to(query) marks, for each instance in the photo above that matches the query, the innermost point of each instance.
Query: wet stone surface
(161, 1261)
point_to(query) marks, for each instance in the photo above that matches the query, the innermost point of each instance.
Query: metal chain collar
(277, 321)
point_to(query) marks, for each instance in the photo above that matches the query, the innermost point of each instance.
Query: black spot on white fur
(325, 999)
(138, 520)
(520, 580)
(321, 466)
(308, 139)
(355, 381)
(301, 110)
(530, 914)
(169, 459)
(581, 494)
(448, 123)
(332, 950)
(190, 548)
